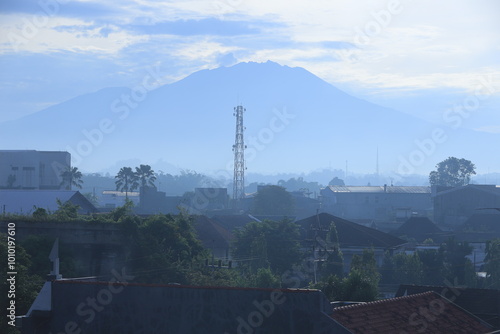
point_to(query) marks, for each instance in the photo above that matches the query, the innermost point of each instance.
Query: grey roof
(349, 234)
(150, 308)
(490, 188)
(27, 201)
(380, 189)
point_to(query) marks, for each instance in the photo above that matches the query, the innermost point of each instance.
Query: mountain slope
(294, 122)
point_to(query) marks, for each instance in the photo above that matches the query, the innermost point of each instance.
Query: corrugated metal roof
(490, 188)
(381, 189)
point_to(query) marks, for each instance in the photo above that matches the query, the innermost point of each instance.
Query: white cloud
(420, 45)
(489, 129)
(60, 34)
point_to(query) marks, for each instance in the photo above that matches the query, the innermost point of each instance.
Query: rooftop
(427, 312)
(381, 189)
(483, 303)
(129, 307)
(490, 188)
(349, 233)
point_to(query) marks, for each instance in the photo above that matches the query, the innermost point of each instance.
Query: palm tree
(126, 180)
(146, 175)
(71, 177)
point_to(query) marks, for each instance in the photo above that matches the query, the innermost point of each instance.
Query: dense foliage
(273, 200)
(452, 172)
(267, 244)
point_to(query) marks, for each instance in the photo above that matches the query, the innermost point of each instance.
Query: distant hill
(295, 122)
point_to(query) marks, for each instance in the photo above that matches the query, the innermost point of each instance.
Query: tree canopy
(452, 172)
(164, 249)
(273, 200)
(71, 177)
(145, 175)
(336, 182)
(126, 180)
(267, 244)
(492, 265)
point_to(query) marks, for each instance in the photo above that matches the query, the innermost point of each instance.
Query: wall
(98, 248)
(33, 169)
(376, 206)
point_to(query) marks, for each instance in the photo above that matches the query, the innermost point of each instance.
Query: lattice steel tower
(239, 155)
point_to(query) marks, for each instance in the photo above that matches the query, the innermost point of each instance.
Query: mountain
(295, 122)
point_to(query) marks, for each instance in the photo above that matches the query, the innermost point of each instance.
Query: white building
(30, 169)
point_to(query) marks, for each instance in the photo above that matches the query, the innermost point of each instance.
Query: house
(419, 229)
(124, 306)
(379, 203)
(213, 237)
(30, 169)
(454, 206)
(352, 238)
(427, 312)
(25, 202)
(304, 206)
(482, 303)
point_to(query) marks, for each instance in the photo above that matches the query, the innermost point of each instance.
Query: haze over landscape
(325, 85)
(236, 166)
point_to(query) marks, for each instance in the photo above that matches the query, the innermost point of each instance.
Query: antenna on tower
(239, 155)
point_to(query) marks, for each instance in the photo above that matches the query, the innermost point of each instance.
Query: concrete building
(30, 169)
(210, 199)
(378, 203)
(152, 201)
(453, 207)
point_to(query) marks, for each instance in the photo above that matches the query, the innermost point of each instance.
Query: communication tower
(239, 155)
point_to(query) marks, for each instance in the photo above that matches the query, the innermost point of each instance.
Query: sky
(391, 52)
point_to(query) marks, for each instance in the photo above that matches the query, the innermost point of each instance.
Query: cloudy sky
(392, 52)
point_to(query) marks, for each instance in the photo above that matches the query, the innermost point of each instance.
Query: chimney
(385, 188)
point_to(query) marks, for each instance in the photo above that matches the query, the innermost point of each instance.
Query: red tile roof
(426, 312)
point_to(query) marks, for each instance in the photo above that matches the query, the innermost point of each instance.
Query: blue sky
(393, 52)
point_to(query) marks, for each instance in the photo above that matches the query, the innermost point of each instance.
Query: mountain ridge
(295, 122)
